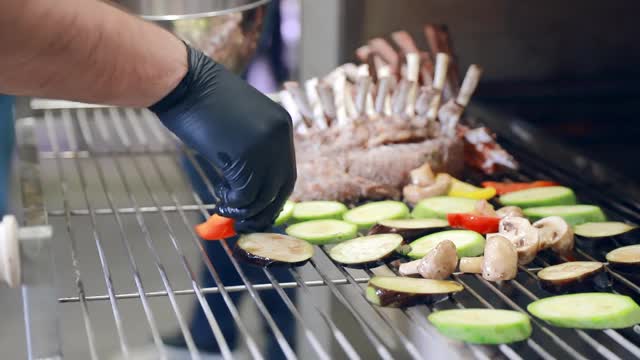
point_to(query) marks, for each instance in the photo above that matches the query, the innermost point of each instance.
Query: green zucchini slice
(285, 214)
(572, 214)
(587, 311)
(542, 196)
(313, 210)
(322, 232)
(440, 206)
(367, 215)
(482, 326)
(468, 243)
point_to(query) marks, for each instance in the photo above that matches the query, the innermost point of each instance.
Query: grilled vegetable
(264, 249)
(471, 265)
(410, 229)
(482, 326)
(395, 291)
(367, 215)
(468, 243)
(522, 235)
(465, 190)
(555, 233)
(603, 230)
(500, 259)
(573, 276)
(543, 196)
(440, 206)
(572, 214)
(366, 250)
(285, 214)
(322, 232)
(415, 193)
(216, 228)
(508, 187)
(625, 259)
(477, 223)
(587, 311)
(314, 210)
(438, 264)
(513, 211)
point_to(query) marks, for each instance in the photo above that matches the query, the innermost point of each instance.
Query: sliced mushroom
(522, 235)
(484, 208)
(422, 176)
(471, 265)
(500, 259)
(440, 262)
(505, 211)
(414, 193)
(555, 233)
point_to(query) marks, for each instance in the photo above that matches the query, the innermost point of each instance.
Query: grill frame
(80, 144)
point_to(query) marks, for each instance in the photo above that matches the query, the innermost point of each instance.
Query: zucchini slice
(587, 311)
(264, 249)
(604, 229)
(542, 196)
(285, 213)
(574, 276)
(322, 232)
(482, 326)
(313, 210)
(625, 259)
(394, 291)
(440, 206)
(410, 229)
(367, 215)
(468, 243)
(366, 250)
(572, 214)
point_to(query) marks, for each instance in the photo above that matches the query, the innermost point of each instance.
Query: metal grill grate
(115, 192)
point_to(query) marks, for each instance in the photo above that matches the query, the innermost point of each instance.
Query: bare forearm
(86, 50)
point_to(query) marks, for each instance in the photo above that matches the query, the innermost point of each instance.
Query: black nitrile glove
(242, 133)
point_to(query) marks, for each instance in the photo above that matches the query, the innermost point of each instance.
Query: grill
(110, 182)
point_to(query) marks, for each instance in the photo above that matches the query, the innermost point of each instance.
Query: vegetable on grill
(466, 190)
(410, 229)
(367, 215)
(471, 265)
(587, 311)
(395, 291)
(285, 214)
(482, 326)
(542, 196)
(467, 242)
(574, 276)
(572, 214)
(438, 264)
(477, 223)
(625, 259)
(508, 187)
(264, 249)
(522, 235)
(323, 231)
(314, 210)
(500, 259)
(366, 250)
(555, 233)
(440, 206)
(603, 230)
(216, 228)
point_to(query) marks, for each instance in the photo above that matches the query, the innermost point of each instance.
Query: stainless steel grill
(111, 183)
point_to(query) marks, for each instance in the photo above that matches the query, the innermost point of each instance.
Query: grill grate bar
(73, 245)
(66, 118)
(284, 344)
(129, 210)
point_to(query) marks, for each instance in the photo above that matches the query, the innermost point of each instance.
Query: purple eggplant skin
(392, 256)
(407, 234)
(598, 279)
(391, 298)
(259, 261)
(631, 269)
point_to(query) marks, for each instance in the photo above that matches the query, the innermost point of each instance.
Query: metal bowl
(226, 30)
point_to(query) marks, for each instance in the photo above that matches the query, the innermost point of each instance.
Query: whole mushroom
(438, 264)
(500, 259)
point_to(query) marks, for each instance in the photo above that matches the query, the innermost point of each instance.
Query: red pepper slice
(477, 223)
(507, 187)
(216, 228)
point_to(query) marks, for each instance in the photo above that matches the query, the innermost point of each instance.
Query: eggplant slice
(396, 291)
(264, 249)
(366, 251)
(574, 276)
(410, 229)
(594, 233)
(625, 259)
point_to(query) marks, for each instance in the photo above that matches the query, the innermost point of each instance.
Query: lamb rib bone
(452, 111)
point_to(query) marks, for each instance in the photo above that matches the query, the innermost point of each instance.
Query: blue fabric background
(6, 148)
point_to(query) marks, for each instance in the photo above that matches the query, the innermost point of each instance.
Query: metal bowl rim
(240, 8)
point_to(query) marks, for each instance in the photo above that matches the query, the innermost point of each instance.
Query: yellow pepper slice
(466, 190)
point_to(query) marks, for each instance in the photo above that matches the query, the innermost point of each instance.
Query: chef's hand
(245, 136)
(6, 147)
